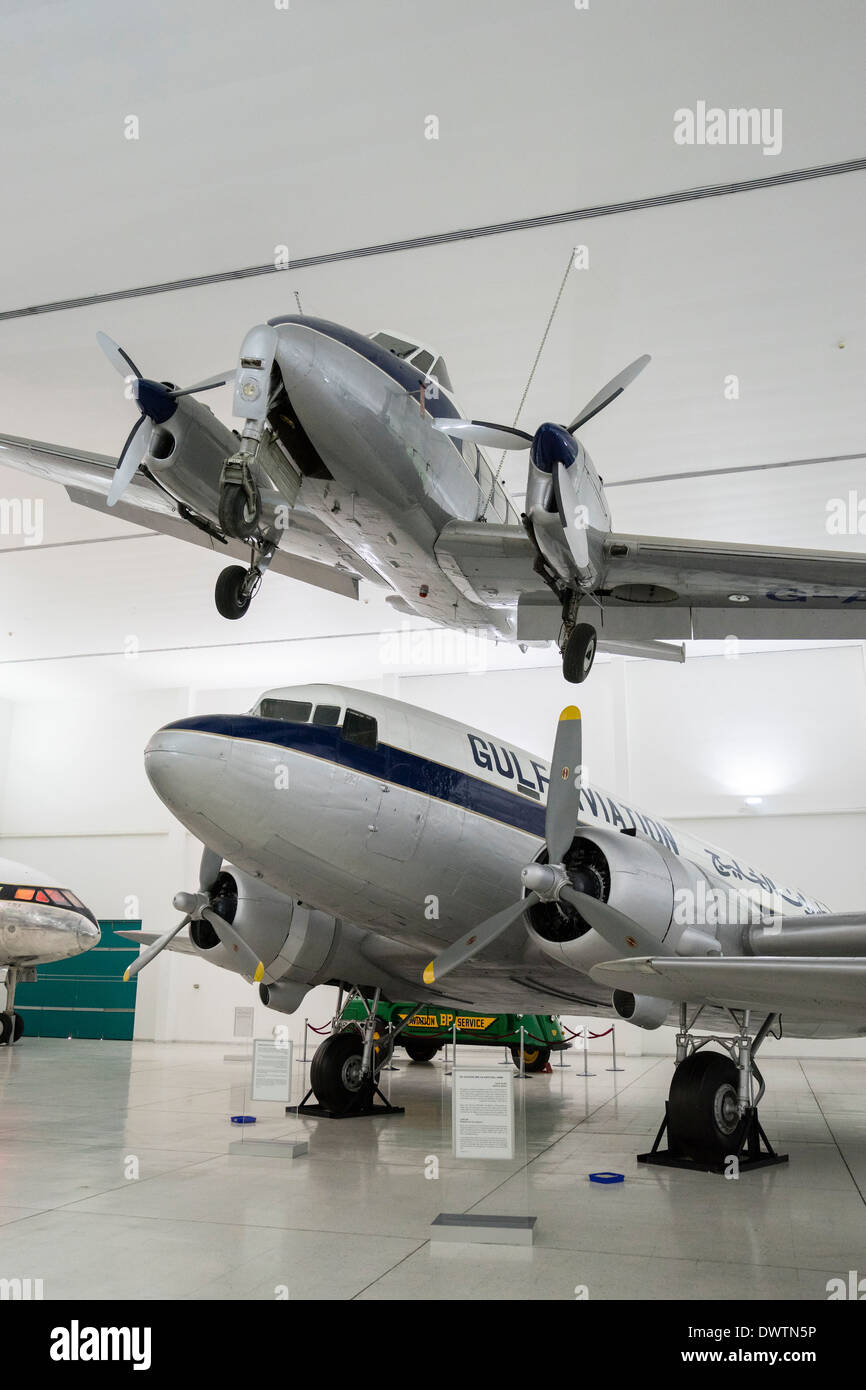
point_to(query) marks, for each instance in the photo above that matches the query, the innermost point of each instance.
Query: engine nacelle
(641, 879)
(643, 1010)
(260, 914)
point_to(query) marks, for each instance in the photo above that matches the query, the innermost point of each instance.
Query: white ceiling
(305, 127)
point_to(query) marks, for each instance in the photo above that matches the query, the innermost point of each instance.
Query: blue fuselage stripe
(394, 765)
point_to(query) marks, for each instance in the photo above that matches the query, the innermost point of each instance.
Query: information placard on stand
(483, 1113)
(272, 1070)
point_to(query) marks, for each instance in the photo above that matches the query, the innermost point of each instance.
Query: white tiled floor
(353, 1218)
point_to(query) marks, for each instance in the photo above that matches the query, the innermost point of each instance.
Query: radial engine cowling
(261, 915)
(638, 877)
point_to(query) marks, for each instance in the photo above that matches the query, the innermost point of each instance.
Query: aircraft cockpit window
(360, 728)
(423, 360)
(292, 711)
(327, 716)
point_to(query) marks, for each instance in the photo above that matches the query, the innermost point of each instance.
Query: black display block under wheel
(320, 1112)
(756, 1151)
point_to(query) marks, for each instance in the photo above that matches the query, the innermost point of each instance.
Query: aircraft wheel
(421, 1051)
(18, 1027)
(702, 1106)
(579, 653)
(229, 597)
(534, 1058)
(335, 1074)
(5, 1028)
(237, 517)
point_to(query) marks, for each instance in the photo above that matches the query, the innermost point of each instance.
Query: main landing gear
(344, 1075)
(711, 1116)
(236, 587)
(578, 652)
(11, 1023)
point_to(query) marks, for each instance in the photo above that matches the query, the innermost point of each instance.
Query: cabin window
(292, 711)
(327, 716)
(360, 728)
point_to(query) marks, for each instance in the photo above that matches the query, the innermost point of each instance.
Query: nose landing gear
(11, 1023)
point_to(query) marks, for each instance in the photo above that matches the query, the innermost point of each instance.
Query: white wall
(684, 742)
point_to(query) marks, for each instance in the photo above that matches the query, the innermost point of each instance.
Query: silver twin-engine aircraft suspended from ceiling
(355, 840)
(354, 462)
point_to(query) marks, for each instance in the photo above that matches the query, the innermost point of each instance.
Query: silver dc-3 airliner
(354, 462)
(355, 840)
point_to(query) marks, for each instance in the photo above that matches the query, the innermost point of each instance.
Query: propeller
(196, 906)
(560, 818)
(156, 402)
(507, 437)
(550, 882)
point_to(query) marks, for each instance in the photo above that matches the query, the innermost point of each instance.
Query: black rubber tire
(579, 653)
(5, 1028)
(702, 1116)
(18, 1029)
(227, 594)
(421, 1051)
(535, 1057)
(334, 1073)
(235, 517)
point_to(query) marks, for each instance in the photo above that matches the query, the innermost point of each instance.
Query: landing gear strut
(344, 1075)
(11, 1024)
(236, 587)
(711, 1116)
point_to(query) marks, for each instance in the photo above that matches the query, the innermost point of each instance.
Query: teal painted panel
(84, 997)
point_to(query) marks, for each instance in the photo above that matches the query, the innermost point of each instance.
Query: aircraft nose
(183, 756)
(296, 353)
(88, 933)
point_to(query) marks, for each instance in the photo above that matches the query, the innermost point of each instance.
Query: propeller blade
(476, 940)
(566, 501)
(229, 937)
(483, 433)
(120, 360)
(209, 868)
(152, 951)
(625, 937)
(131, 455)
(209, 384)
(610, 392)
(563, 793)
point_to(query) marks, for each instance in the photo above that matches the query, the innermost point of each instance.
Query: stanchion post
(304, 1059)
(522, 1055)
(614, 1067)
(586, 1071)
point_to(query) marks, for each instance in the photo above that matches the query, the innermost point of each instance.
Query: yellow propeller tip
(570, 712)
(260, 970)
(429, 975)
(126, 977)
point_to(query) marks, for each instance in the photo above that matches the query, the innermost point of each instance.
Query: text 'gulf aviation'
(355, 840)
(353, 462)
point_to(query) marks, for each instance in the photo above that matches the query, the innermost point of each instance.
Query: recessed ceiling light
(754, 800)
(738, 598)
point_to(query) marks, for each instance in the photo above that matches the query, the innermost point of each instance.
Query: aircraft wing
(180, 943)
(492, 564)
(816, 984)
(87, 478)
(777, 592)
